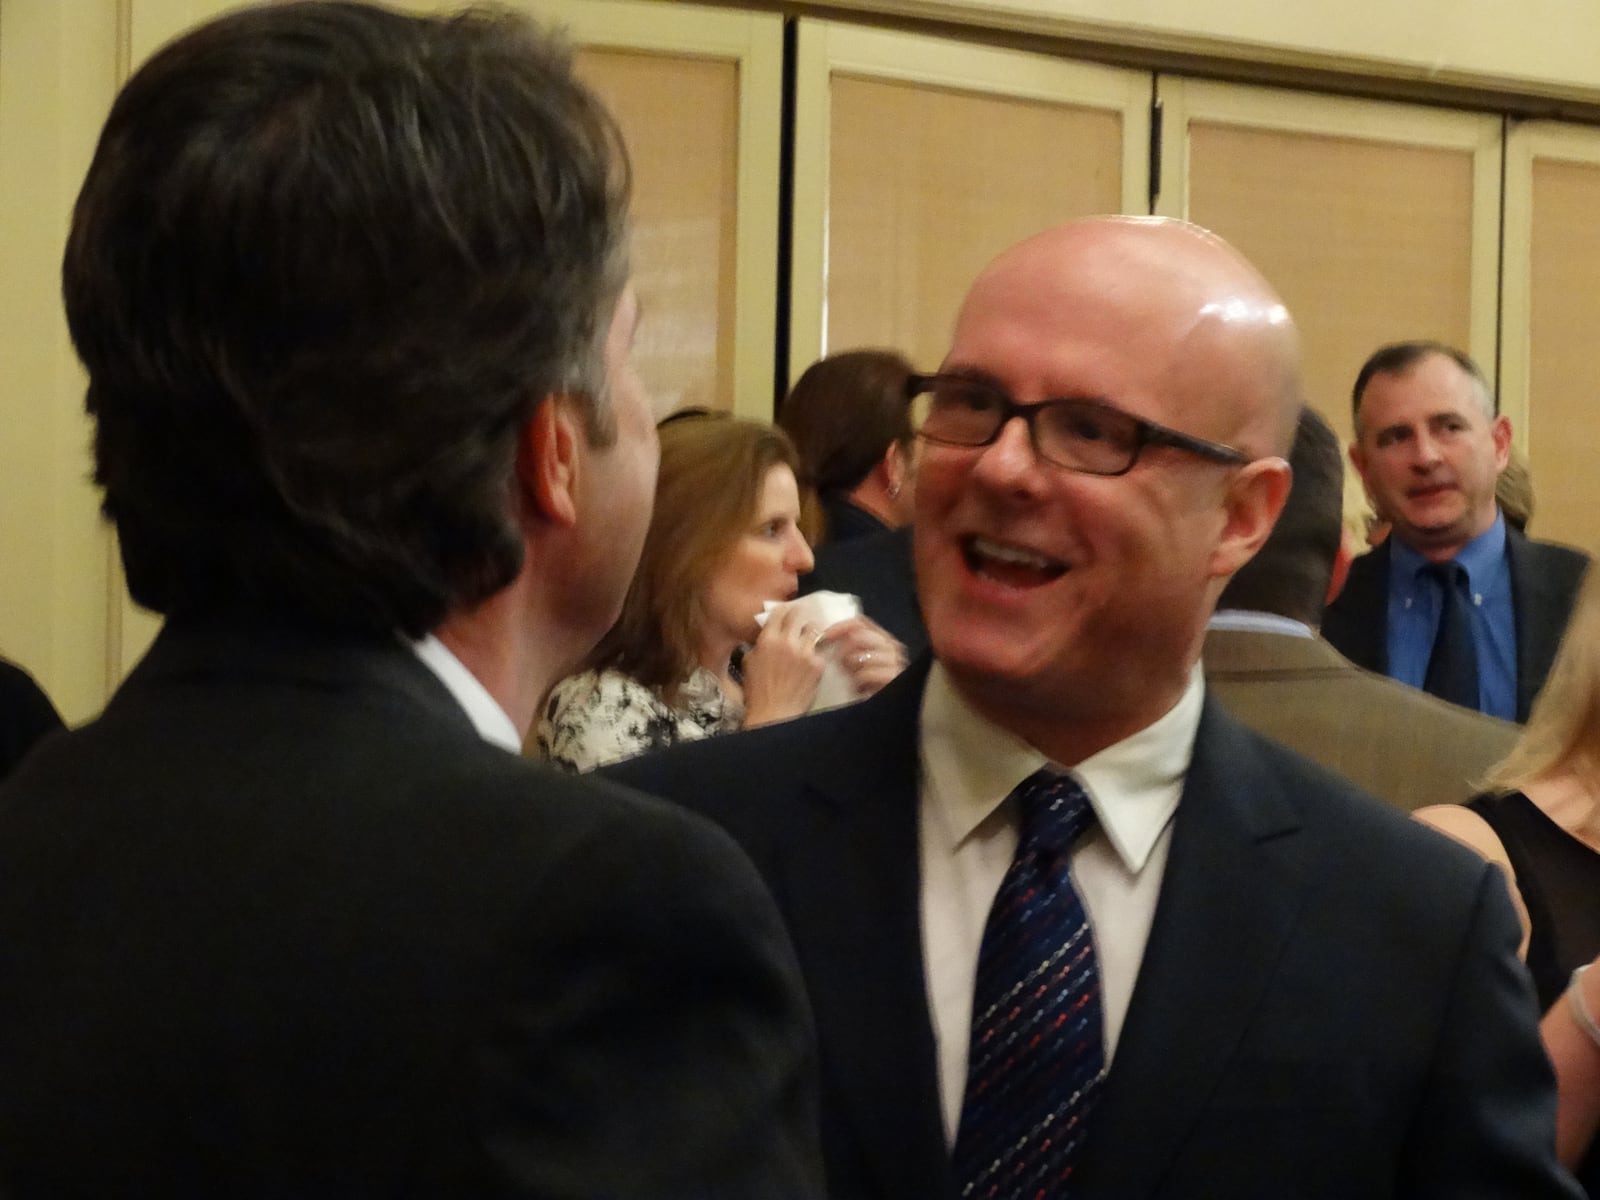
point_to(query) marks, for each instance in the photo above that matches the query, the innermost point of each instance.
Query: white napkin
(822, 611)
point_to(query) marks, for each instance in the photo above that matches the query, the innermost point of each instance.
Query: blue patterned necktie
(1037, 1058)
(1453, 663)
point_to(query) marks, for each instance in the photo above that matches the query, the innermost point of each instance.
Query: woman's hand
(782, 669)
(866, 651)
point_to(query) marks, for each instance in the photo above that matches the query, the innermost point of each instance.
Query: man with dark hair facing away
(293, 917)
(1265, 662)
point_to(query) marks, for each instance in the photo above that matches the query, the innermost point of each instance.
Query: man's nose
(1426, 451)
(1010, 457)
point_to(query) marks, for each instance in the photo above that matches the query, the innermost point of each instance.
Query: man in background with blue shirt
(1454, 602)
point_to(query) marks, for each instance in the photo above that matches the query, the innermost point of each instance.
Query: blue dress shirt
(1414, 603)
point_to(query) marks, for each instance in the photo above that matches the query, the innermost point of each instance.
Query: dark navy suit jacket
(1330, 1003)
(1544, 583)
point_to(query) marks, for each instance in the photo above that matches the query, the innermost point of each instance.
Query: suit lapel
(1534, 599)
(851, 885)
(1234, 884)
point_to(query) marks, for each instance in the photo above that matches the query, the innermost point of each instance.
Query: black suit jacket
(280, 924)
(1329, 1005)
(878, 569)
(26, 716)
(1544, 583)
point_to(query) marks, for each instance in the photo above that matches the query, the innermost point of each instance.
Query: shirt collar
(487, 717)
(1248, 620)
(1480, 556)
(971, 765)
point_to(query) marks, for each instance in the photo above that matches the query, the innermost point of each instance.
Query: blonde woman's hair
(1563, 731)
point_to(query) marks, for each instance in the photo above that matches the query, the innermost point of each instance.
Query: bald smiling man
(1069, 929)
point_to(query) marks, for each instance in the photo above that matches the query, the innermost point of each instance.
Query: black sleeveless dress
(1559, 878)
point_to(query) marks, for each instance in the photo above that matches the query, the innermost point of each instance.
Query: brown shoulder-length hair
(713, 467)
(844, 412)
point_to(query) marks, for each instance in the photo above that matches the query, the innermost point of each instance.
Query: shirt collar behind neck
(487, 717)
(971, 765)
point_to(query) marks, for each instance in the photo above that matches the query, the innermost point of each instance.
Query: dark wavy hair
(1290, 574)
(327, 261)
(843, 413)
(713, 468)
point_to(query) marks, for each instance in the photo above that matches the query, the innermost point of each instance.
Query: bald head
(1068, 604)
(1221, 342)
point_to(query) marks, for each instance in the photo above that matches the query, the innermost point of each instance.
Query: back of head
(1290, 573)
(713, 467)
(327, 261)
(844, 413)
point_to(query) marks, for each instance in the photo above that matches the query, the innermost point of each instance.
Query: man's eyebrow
(974, 375)
(988, 379)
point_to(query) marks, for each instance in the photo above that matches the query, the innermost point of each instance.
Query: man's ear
(1500, 430)
(1254, 499)
(1342, 558)
(1358, 460)
(894, 467)
(548, 461)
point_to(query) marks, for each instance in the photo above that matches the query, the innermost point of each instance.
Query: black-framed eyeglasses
(1080, 435)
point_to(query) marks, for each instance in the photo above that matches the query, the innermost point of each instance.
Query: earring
(894, 490)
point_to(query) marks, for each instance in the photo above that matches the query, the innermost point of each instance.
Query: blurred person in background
(849, 416)
(687, 659)
(1539, 819)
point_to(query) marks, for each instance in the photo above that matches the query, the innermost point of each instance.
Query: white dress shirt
(487, 717)
(969, 834)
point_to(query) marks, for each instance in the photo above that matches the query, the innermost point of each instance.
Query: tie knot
(1054, 809)
(1448, 575)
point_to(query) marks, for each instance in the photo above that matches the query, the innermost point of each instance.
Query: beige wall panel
(1368, 242)
(918, 159)
(59, 64)
(1563, 423)
(685, 211)
(1543, 47)
(927, 185)
(1376, 221)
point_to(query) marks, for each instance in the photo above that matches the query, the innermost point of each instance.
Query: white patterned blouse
(601, 717)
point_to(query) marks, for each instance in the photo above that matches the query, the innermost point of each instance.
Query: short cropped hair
(713, 468)
(1399, 357)
(1289, 575)
(327, 262)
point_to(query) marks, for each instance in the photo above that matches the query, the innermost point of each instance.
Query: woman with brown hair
(850, 422)
(724, 541)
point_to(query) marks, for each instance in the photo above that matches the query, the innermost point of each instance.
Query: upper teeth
(1015, 555)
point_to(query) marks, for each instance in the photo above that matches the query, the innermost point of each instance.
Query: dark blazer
(1544, 583)
(1396, 742)
(1329, 1005)
(26, 716)
(878, 569)
(280, 924)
